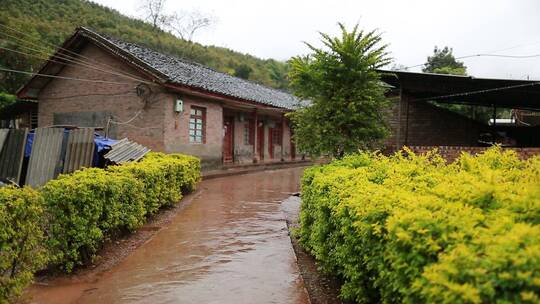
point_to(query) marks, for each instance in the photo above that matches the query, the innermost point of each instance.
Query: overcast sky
(276, 29)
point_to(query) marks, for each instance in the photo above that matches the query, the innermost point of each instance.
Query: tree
(153, 12)
(243, 71)
(347, 107)
(183, 24)
(443, 62)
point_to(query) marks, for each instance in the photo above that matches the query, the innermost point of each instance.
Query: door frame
(231, 131)
(260, 140)
(271, 143)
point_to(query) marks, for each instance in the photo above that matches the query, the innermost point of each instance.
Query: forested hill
(49, 22)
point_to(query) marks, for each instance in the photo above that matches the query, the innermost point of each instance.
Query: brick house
(160, 101)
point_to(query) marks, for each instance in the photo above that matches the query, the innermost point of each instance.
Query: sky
(277, 29)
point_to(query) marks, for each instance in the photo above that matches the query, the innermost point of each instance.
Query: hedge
(93, 205)
(66, 222)
(413, 229)
(21, 239)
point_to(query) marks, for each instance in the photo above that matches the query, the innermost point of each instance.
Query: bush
(94, 205)
(21, 239)
(165, 177)
(86, 208)
(414, 229)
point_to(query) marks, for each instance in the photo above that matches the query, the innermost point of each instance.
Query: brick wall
(429, 125)
(450, 153)
(176, 131)
(93, 103)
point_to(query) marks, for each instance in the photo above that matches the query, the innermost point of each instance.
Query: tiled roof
(179, 71)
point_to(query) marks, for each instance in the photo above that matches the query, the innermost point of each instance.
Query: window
(249, 132)
(276, 136)
(197, 125)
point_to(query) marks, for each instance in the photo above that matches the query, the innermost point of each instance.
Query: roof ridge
(183, 60)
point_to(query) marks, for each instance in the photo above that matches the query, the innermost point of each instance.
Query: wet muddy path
(229, 245)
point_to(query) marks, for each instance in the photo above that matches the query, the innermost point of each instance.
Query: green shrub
(165, 177)
(413, 229)
(21, 239)
(93, 205)
(86, 208)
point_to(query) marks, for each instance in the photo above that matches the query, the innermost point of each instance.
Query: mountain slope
(49, 22)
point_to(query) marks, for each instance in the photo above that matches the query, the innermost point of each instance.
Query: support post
(255, 139)
(282, 136)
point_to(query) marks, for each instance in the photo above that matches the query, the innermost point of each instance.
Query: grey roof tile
(179, 71)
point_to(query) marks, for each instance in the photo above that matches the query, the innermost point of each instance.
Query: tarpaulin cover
(101, 142)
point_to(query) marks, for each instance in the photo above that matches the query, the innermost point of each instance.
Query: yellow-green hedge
(413, 229)
(22, 249)
(93, 205)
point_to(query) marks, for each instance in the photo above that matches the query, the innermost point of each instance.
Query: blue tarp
(101, 143)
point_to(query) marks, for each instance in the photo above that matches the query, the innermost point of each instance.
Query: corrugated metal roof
(12, 155)
(46, 157)
(126, 151)
(79, 150)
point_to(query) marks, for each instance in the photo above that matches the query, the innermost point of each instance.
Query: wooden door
(228, 142)
(260, 142)
(271, 142)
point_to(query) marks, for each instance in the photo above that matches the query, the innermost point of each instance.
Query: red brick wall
(451, 153)
(176, 130)
(429, 125)
(69, 96)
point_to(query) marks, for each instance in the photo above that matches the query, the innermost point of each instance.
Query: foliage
(48, 23)
(21, 239)
(243, 71)
(410, 228)
(347, 109)
(6, 100)
(443, 62)
(90, 206)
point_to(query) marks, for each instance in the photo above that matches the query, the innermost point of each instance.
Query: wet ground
(229, 245)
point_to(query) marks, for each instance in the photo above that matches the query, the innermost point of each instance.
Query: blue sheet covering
(101, 143)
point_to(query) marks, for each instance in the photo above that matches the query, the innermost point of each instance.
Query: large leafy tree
(443, 62)
(346, 107)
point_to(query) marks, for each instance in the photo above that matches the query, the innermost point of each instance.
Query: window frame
(276, 134)
(249, 133)
(202, 117)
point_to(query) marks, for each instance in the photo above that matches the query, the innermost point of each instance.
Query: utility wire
(490, 53)
(62, 77)
(77, 58)
(124, 93)
(481, 55)
(74, 63)
(478, 91)
(67, 57)
(47, 43)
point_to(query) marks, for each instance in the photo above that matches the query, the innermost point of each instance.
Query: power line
(478, 91)
(66, 50)
(482, 55)
(68, 64)
(124, 93)
(62, 77)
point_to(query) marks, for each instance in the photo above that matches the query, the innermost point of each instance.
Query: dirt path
(229, 245)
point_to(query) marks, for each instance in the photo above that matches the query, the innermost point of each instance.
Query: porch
(256, 136)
